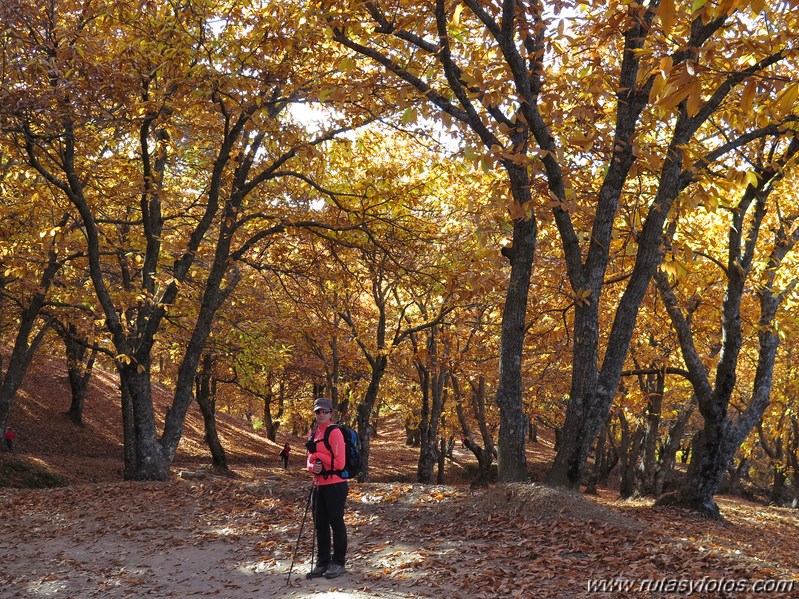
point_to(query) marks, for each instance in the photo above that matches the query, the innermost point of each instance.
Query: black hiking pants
(328, 509)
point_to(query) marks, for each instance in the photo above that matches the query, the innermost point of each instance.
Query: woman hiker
(329, 492)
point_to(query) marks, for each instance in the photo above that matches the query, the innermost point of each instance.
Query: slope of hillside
(93, 452)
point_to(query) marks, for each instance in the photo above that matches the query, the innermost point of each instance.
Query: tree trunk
(629, 453)
(532, 432)
(593, 385)
(432, 374)
(79, 383)
(721, 436)
(593, 389)
(269, 424)
(793, 458)
(273, 417)
(599, 461)
(21, 356)
(205, 394)
(668, 456)
(512, 460)
(710, 458)
(779, 461)
(128, 435)
(27, 341)
(732, 484)
(214, 295)
(411, 433)
(364, 415)
(484, 453)
(145, 458)
(442, 454)
(778, 487)
(428, 456)
(79, 368)
(653, 386)
(272, 421)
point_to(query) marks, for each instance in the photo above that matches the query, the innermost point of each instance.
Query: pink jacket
(330, 461)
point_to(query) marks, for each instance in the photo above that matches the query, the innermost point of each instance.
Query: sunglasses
(321, 411)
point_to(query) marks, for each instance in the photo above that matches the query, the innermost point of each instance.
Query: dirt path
(199, 538)
(214, 537)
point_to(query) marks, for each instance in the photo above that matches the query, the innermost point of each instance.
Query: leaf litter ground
(202, 535)
(220, 537)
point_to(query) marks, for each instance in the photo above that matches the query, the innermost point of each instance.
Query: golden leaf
(748, 95)
(657, 86)
(694, 99)
(666, 12)
(788, 99)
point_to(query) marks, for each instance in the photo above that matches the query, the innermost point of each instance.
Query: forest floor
(207, 535)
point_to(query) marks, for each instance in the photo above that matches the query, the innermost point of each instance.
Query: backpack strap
(326, 439)
(329, 430)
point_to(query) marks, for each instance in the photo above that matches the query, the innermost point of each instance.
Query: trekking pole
(315, 503)
(299, 536)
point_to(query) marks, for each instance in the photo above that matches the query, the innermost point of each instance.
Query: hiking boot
(334, 570)
(317, 572)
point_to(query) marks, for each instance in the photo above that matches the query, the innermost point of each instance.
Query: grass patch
(22, 472)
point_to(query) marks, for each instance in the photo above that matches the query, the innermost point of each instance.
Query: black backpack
(352, 450)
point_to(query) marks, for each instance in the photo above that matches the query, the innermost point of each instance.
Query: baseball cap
(322, 403)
